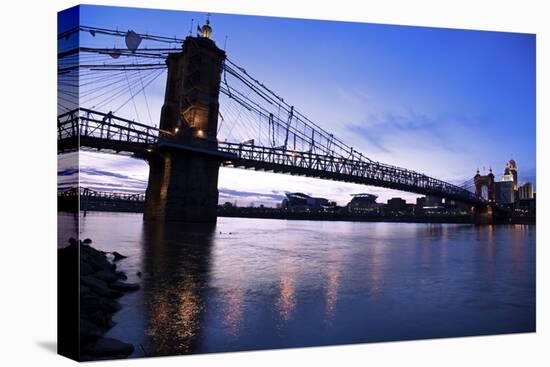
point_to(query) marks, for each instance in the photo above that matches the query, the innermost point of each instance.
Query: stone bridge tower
(183, 183)
(484, 215)
(487, 181)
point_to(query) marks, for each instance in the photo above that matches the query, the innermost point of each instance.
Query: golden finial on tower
(206, 30)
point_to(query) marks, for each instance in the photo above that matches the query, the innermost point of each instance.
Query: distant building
(456, 206)
(420, 204)
(302, 203)
(363, 204)
(437, 206)
(512, 170)
(433, 201)
(428, 204)
(527, 207)
(504, 192)
(526, 191)
(510, 175)
(396, 205)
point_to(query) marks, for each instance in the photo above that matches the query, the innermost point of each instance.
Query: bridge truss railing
(67, 125)
(108, 195)
(323, 164)
(107, 128)
(93, 124)
(104, 195)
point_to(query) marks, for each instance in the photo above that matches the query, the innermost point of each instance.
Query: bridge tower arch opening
(485, 186)
(183, 185)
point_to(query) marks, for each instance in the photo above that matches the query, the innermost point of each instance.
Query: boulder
(117, 256)
(84, 290)
(99, 262)
(110, 305)
(85, 268)
(106, 275)
(100, 319)
(99, 286)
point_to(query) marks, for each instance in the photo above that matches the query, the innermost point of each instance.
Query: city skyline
(443, 102)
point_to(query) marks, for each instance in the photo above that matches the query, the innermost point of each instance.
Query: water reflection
(490, 242)
(375, 269)
(333, 283)
(486, 265)
(67, 227)
(287, 272)
(176, 265)
(261, 284)
(521, 231)
(233, 299)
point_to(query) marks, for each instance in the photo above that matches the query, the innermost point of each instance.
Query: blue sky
(440, 101)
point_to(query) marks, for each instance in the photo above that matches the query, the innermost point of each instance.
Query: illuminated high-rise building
(526, 191)
(512, 170)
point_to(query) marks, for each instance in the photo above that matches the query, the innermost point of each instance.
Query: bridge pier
(183, 185)
(483, 215)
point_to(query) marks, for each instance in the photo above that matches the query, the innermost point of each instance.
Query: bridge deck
(94, 130)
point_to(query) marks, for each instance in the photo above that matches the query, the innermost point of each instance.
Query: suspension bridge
(215, 113)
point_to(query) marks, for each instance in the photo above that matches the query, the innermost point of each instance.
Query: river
(248, 284)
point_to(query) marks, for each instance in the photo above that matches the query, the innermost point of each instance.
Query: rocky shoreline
(100, 287)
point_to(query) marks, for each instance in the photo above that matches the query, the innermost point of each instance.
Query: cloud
(245, 198)
(380, 130)
(243, 194)
(68, 172)
(98, 172)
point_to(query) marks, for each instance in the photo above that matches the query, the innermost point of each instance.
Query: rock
(112, 347)
(110, 305)
(85, 268)
(118, 256)
(99, 262)
(91, 303)
(99, 287)
(138, 274)
(97, 275)
(124, 287)
(84, 290)
(101, 319)
(106, 275)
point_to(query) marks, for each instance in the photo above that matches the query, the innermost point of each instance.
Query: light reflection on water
(255, 284)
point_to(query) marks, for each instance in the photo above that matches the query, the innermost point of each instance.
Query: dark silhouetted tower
(183, 184)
